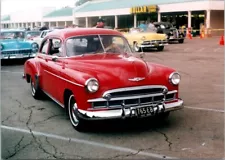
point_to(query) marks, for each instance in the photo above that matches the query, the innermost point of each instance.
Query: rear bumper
(127, 112)
(18, 56)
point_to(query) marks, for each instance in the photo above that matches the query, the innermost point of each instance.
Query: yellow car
(140, 40)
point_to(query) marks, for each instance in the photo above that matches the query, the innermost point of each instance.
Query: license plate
(156, 44)
(172, 37)
(145, 111)
(19, 56)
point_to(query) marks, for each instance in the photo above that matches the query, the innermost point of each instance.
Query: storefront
(129, 14)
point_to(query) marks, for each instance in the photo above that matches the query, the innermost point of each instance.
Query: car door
(43, 62)
(55, 68)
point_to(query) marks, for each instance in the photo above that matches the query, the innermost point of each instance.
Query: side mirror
(54, 58)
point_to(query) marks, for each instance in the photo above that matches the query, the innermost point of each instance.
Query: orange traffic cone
(222, 41)
(189, 36)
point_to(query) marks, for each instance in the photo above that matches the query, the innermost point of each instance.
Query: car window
(94, 44)
(44, 49)
(83, 45)
(44, 34)
(56, 47)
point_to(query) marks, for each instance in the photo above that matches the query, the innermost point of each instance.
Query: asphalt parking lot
(33, 129)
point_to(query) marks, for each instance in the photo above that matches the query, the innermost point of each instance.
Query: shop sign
(144, 9)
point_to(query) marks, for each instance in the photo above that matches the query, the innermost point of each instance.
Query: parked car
(94, 75)
(140, 40)
(32, 34)
(42, 35)
(173, 34)
(14, 45)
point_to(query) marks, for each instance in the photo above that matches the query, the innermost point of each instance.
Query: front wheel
(181, 41)
(163, 116)
(136, 48)
(77, 122)
(160, 48)
(35, 89)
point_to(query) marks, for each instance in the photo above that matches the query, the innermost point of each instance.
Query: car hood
(147, 35)
(11, 44)
(115, 71)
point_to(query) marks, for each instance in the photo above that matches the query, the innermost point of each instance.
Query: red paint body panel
(111, 70)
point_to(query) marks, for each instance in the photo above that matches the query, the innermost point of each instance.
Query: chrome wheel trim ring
(33, 90)
(72, 108)
(136, 48)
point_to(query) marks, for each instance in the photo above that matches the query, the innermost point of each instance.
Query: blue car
(13, 45)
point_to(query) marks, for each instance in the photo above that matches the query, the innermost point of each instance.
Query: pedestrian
(142, 26)
(100, 23)
(151, 26)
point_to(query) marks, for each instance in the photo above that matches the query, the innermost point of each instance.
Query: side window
(56, 47)
(43, 34)
(44, 48)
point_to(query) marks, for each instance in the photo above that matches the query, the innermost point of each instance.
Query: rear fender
(31, 68)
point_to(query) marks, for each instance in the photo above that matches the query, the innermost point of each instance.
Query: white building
(125, 14)
(128, 13)
(38, 17)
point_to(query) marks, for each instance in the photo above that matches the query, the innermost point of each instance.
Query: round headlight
(174, 78)
(34, 45)
(1, 47)
(92, 85)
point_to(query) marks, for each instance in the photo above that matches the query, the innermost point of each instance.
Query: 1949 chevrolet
(94, 75)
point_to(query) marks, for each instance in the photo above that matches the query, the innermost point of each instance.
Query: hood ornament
(136, 79)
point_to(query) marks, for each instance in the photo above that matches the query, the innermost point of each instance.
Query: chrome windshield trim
(133, 88)
(130, 97)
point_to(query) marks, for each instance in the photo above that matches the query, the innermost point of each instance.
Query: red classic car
(94, 75)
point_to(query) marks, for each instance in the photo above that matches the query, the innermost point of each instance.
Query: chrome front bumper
(18, 56)
(152, 45)
(127, 112)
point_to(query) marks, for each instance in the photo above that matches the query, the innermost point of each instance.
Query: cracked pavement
(187, 133)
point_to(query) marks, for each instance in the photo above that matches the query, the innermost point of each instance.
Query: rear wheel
(35, 88)
(75, 120)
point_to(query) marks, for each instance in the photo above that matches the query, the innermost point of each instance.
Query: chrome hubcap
(136, 48)
(72, 111)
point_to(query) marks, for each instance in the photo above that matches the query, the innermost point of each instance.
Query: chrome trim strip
(126, 112)
(125, 98)
(133, 88)
(54, 99)
(130, 97)
(64, 79)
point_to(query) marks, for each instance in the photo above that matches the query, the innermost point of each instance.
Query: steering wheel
(114, 48)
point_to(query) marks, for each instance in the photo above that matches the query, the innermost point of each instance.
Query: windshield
(13, 35)
(93, 44)
(36, 33)
(138, 30)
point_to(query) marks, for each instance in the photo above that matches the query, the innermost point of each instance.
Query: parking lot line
(205, 109)
(91, 143)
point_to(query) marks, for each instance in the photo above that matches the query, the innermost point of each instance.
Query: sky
(10, 6)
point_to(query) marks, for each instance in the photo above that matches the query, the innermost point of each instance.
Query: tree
(80, 2)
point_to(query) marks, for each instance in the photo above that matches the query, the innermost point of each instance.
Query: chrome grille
(133, 96)
(152, 42)
(27, 51)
